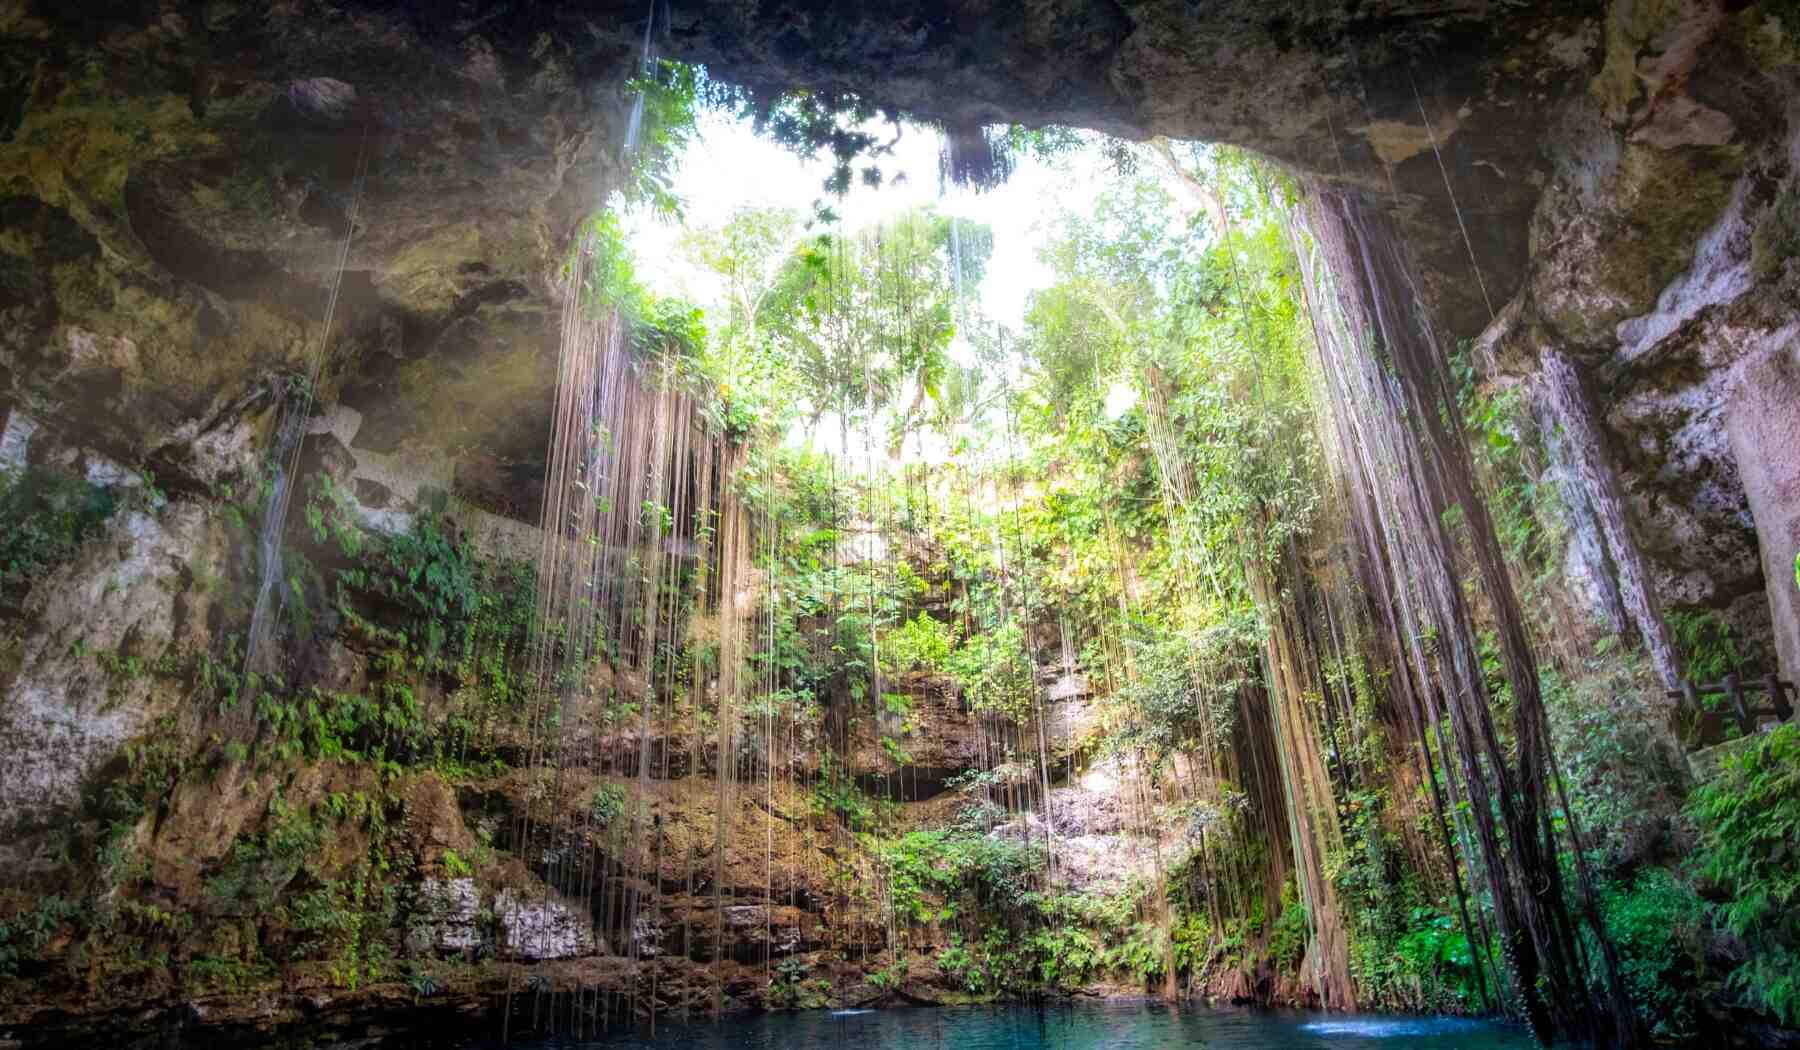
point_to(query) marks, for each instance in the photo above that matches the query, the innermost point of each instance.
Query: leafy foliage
(966, 869)
(607, 803)
(1749, 820)
(1289, 933)
(792, 987)
(837, 793)
(44, 517)
(1655, 920)
(922, 643)
(995, 672)
(672, 93)
(1707, 648)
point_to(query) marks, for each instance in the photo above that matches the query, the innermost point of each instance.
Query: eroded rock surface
(80, 692)
(177, 188)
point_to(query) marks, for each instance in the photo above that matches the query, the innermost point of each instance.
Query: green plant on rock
(960, 965)
(425, 572)
(455, 866)
(1621, 774)
(1655, 921)
(1195, 942)
(1142, 953)
(607, 803)
(344, 921)
(922, 643)
(836, 792)
(1067, 956)
(1503, 448)
(889, 977)
(900, 705)
(896, 751)
(938, 874)
(1708, 650)
(995, 672)
(1749, 819)
(792, 987)
(24, 936)
(423, 984)
(346, 726)
(45, 516)
(330, 515)
(260, 867)
(1289, 933)
(1434, 951)
(208, 973)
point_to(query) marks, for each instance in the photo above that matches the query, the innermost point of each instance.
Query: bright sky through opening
(727, 166)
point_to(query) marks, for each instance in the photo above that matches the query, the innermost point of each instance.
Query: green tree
(865, 321)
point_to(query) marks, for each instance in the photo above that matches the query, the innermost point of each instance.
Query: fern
(1749, 821)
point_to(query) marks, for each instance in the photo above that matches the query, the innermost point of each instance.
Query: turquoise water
(1134, 1026)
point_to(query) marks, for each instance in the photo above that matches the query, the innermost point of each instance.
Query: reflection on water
(1415, 1028)
(1083, 1026)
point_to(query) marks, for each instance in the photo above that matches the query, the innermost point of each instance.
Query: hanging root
(974, 155)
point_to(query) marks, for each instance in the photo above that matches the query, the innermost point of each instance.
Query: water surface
(1085, 1026)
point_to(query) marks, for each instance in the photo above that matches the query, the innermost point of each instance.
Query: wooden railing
(1737, 690)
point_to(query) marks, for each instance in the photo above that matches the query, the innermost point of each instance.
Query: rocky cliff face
(1660, 267)
(1614, 183)
(189, 193)
(179, 181)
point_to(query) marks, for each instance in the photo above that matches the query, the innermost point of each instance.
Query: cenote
(899, 523)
